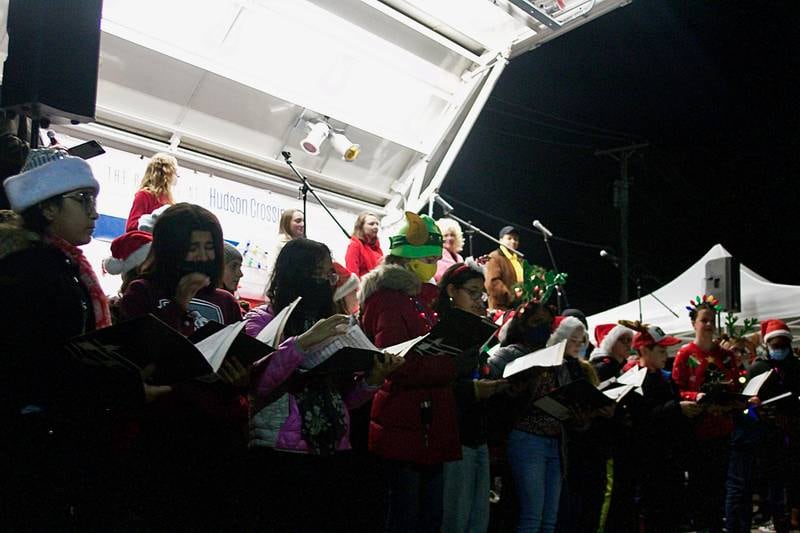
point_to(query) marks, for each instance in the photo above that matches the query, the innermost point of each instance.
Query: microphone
(52, 136)
(609, 257)
(286, 155)
(442, 202)
(538, 225)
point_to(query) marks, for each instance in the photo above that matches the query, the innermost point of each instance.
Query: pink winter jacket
(277, 424)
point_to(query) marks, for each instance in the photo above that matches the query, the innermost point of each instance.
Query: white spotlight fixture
(317, 133)
(346, 148)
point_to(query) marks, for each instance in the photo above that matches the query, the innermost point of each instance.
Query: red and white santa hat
(566, 326)
(128, 251)
(773, 327)
(605, 335)
(347, 282)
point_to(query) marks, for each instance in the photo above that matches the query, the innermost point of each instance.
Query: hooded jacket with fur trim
(413, 415)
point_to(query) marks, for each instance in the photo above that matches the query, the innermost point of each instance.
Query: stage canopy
(760, 298)
(230, 84)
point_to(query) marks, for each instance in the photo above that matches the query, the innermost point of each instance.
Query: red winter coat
(362, 256)
(689, 374)
(396, 307)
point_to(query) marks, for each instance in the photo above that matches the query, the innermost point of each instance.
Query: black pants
(707, 465)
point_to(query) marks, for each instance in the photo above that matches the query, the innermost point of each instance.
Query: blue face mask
(780, 354)
(538, 336)
(583, 350)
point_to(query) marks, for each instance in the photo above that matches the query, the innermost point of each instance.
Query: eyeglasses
(476, 294)
(87, 200)
(330, 277)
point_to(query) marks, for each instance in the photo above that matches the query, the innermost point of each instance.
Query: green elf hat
(419, 237)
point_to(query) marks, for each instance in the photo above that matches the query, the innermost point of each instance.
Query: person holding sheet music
(780, 447)
(298, 422)
(535, 443)
(584, 478)
(57, 415)
(413, 424)
(462, 297)
(661, 434)
(704, 372)
(193, 439)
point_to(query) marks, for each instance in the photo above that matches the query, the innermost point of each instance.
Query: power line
(620, 134)
(554, 126)
(536, 139)
(523, 227)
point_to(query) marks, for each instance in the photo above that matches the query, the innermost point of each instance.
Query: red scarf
(102, 314)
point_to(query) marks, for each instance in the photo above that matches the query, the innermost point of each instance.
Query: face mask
(537, 336)
(583, 350)
(209, 268)
(423, 271)
(779, 354)
(317, 296)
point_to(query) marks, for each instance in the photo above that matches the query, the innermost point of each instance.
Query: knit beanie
(48, 172)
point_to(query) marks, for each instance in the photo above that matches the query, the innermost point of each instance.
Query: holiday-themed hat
(128, 251)
(649, 335)
(773, 327)
(606, 335)
(146, 222)
(567, 325)
(419, 237)
(347, 282)
(48, 172)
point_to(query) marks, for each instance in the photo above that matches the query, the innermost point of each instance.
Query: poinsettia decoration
(537, 283)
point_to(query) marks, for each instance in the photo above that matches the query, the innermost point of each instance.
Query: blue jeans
(466, 492)
(536, 466)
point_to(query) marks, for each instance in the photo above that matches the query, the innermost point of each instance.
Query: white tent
(760, 298)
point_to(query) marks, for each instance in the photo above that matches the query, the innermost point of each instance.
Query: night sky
(711, 85)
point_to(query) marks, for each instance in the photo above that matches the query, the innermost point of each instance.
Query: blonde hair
(447, 225)
(160, 175)
(358, 227)
(285, 225)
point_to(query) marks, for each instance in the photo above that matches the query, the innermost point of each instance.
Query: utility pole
(623, 154)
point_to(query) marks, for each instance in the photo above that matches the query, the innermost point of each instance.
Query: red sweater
(361, 256)
(144, 203)
(689, 374)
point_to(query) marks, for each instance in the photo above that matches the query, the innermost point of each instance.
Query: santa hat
(606, 335)
(567, 325)
(774, 328)
(347, 282)
(48, 172)
(128, 251)
(146, 222)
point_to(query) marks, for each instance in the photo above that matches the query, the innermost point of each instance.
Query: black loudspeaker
(53, 56)
(722, 280)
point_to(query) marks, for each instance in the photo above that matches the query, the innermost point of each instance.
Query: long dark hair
(172, 235)
(519, 324)
(457, 275)
(292, 276)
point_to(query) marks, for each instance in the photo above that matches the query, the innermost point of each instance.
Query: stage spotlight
(346, 148)
(317, 133)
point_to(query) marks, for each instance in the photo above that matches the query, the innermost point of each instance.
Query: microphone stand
(470, 233)
(305, 188)
(480, 232)
(561, 292)
(638, 282)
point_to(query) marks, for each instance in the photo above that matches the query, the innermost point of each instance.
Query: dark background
(711, 85)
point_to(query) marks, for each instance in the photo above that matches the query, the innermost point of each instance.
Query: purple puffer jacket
(277, 424)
